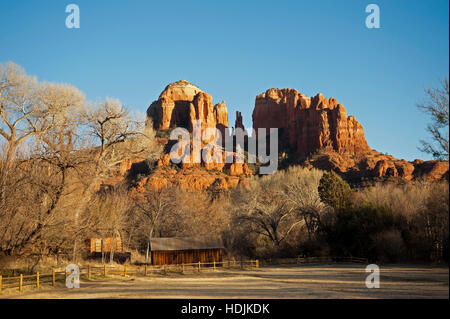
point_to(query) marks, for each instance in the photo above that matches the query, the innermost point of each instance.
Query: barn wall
(96, 244)
(186, 256)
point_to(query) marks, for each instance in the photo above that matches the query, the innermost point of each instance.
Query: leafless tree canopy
(436, 105)
(57, 148)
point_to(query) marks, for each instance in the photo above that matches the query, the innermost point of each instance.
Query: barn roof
(185, 243)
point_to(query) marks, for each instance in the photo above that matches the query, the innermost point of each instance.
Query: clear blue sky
(235, 50)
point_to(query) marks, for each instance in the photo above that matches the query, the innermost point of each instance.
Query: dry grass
(311, 281)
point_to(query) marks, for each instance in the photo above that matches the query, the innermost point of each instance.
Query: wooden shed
(98, 245)
(166, 251)
(102, 248)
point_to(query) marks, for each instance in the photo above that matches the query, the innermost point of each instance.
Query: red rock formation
(431, 170)
(190, 179)
(216, 161)
(377, 165)
(181, 103)
(310, 125)
(306, 124)
(239, 123)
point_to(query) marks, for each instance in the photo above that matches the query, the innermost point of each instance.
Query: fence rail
(105, 270)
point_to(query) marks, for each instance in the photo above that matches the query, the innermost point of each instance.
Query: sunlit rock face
(319, 132)
(181, 103)
(306, 124)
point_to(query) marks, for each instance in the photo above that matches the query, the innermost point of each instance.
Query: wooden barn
(166, 251)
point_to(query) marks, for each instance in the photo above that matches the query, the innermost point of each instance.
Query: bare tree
(300, 187)
(263, 208)
(28, 109)
(109, 210)
(36, 182)
(278, 205)
(116, 136)
(436, 106)
(152, 207)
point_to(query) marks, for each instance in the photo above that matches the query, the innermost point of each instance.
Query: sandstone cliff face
(188, 179)
(316, 130)
(378, 165)
(239, 122)
(310, 125)
(306, 124)
(181, 103)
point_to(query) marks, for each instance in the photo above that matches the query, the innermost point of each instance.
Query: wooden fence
(103, 271)
(30, 280)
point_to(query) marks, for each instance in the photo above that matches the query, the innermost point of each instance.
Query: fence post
(257, 263)
(125, 270)
(89, 272)
(20, 283)
(53, 278)
(145, 271)
(104, 270)
(37, 280)
(182, 268)
(198, 266)
(214, 265)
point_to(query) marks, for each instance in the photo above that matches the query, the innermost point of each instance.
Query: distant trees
(309, 212)
(436, 105)
(392, 223)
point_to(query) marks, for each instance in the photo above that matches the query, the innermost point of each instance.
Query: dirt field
(318, 281)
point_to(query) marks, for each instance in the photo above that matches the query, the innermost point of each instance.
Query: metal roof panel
(185, 243)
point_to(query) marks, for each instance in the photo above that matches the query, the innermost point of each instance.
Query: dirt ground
(303, 281)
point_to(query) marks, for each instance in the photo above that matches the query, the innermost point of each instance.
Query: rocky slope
(318, 133)
(179, 105)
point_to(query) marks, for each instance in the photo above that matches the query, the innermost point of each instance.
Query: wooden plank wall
(186, 256)
(96, 244)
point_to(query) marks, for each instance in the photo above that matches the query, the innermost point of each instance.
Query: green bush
(334, 191)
